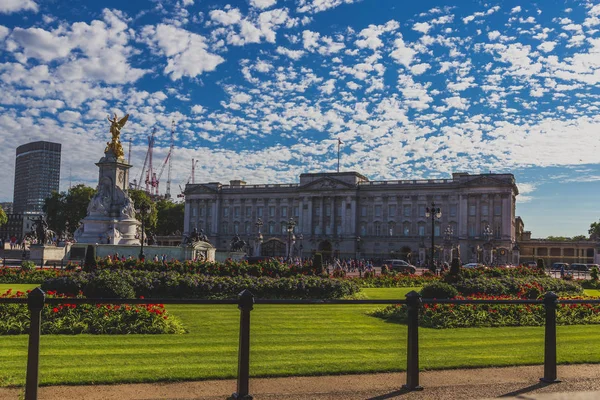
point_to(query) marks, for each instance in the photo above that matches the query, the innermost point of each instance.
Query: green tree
(579, 237)
(594, 230)
(169, 217)
(140, 198)
(65, 210)
(3, 217)
(558, 238)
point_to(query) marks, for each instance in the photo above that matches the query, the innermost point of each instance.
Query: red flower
(55, 310)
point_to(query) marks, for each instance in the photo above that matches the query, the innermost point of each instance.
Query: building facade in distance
(348, 216)
(37, 175)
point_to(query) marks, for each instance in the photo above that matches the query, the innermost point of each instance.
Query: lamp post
(448, 233)
(433, 212)
(290, 231)
(487, 235)
(358, 239)
(143, 211)
(301, 238)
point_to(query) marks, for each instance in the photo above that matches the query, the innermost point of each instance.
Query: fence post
(413, 301)
(246, 301)
(550, 303)
(35, 303)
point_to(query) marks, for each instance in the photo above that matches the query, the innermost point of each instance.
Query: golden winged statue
(115, 129)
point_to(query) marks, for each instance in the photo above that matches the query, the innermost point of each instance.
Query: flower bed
(492, 315)
(124, 283)
(510, 285)
(388, 281)
(16, 275)
(271, 268)
(89, 318)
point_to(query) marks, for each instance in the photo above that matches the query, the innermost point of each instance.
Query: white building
(346, 215)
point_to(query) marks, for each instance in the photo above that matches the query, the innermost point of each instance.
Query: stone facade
(346, 215)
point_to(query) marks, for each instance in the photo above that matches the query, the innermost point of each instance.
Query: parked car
(558, 266)
(530, 264)
(579, 267)
(473, 265)
(400, 266)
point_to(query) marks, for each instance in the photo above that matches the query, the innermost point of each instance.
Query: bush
(393, 280)
(455, 267)
(438, 290)
(90, 258)
(510, 285)
(27, 266)
(176, 285)
(318, 263)
(89, 318)
(594, 273)
(491, 315)
(108, 285)
(541, 264)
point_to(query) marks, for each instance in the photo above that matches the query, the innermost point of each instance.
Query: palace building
(347, 215)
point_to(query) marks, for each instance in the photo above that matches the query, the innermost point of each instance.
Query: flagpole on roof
(339, 143)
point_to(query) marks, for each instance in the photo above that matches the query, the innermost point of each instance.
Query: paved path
(578, 383)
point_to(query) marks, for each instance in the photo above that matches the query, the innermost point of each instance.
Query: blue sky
(262, 89)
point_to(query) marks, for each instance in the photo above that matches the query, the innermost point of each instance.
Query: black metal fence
(37, 299)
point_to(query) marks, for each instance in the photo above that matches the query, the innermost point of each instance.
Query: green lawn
(285, 340)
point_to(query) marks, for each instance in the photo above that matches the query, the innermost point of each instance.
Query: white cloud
(187, 53)
(293, 54)
(370, 36)
(547, 46)
(315, 6)
(4, 31)
(418, 69)
(422, 27)
(198, 109)
(457, 102)
(12, 6)
(515, 10)
(493, 35)
(402, 54)
(262, 4)
(226, 18)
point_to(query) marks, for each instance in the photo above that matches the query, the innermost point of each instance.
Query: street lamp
(259, 237)
(487, 235)
(433, 212)
(358, 239)
(290, 231)
(143, 211)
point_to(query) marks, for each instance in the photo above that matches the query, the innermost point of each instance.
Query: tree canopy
(3, 217)
(141, 198)
(64, 210)
(170, 217)
(594, 230)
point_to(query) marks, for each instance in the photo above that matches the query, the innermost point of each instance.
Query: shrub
(491, 315)
(109, 284)
(393, 280)
(89, 318)
(27, 266)
(367, 274)
(594, 273)
(510, 285)
(339, 273)
(318, 263)
(12, 275)
(90, 258)
(438, 290)
(541, 264)
(455, 267)
(385, 270)
(176, 285)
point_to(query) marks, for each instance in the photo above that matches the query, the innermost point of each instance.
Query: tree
(65, 210)
(3, 217)
(140, 197)
(169, 217)
(558, 238)
(579, 237)
(594, 230)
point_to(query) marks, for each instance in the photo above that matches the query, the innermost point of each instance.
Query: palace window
(327, 210)
(271, 211)
(236, 227)
(259, 212)
(248, 212)
(421, 230)
(472, 210)
(225, 212)
(236, 212)
(392, 210)
(272, 228)
(484, 209)
(407, 210)
(247, 227)
(378, 211)
(377, 229)
(421, 210)
(363, 229)
(284, 212)
(406, 229)
(224, 228)
(498, 209)
(453, 210)
(363, 211)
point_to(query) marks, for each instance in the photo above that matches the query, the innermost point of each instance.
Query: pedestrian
(562, 271)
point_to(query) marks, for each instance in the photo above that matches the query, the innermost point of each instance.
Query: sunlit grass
(285, 340)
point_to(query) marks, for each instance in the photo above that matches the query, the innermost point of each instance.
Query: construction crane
(192, 177)
(168, 160)
(147, 162)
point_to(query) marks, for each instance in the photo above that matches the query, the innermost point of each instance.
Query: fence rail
(245, 302)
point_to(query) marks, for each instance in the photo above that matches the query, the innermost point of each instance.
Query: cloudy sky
(262, 89)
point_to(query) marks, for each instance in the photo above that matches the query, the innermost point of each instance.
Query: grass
(285, 340)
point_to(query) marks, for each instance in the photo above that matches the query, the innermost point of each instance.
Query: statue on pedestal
(115, 129)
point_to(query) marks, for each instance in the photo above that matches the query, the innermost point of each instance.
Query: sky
(262, 90)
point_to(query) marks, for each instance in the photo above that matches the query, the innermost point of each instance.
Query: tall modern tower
(37, 175)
